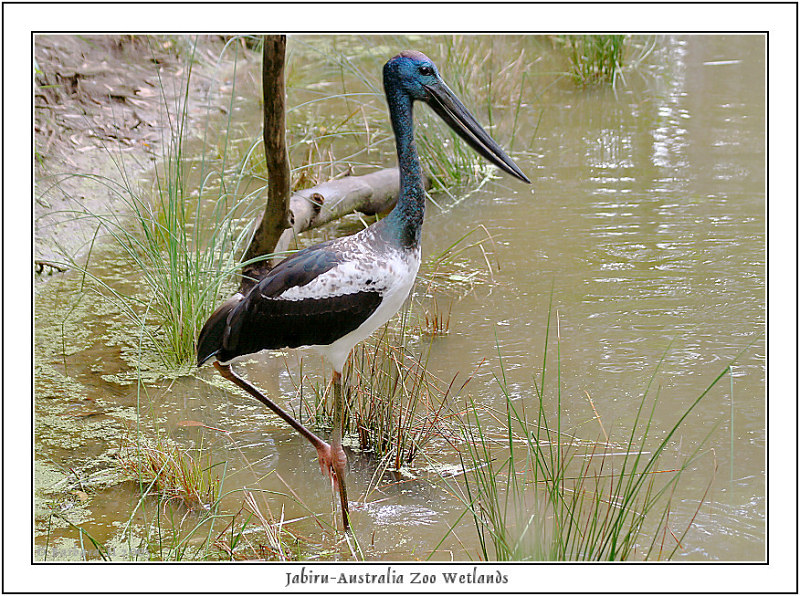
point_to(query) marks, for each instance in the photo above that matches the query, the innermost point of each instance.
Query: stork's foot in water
(333, 462)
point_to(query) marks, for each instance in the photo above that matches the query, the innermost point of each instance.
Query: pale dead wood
(370, 194)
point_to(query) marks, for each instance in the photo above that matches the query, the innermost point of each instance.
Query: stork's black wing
(265, 320)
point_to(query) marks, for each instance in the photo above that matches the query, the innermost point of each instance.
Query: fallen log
(370, 194)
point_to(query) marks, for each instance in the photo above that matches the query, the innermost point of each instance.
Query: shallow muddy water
(644, 227)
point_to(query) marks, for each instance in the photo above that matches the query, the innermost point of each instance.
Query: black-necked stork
(335, 294)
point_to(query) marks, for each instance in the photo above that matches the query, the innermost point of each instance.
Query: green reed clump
(594, 59)
(174, 473)
(186, 238)
(534, 492)
(183, 513)
(396, 405)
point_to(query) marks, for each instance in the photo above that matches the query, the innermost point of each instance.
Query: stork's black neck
(404, 223)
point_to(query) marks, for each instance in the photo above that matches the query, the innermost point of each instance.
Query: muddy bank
(103, 110)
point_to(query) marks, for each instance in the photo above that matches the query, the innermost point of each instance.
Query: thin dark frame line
(797, 341)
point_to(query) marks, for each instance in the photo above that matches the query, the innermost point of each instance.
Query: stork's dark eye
(426, 71)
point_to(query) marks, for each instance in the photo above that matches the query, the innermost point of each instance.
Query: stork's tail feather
(213, 332)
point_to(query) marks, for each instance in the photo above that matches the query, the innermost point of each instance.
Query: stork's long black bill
(451, 110)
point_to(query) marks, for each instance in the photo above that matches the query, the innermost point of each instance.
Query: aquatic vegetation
(451, 272)
(177, 474)
(594, 58)
(252, 535)
(395, 406)
(536, 492)
(185, 240)
(186, 514)
(436, 321)
(601, 59)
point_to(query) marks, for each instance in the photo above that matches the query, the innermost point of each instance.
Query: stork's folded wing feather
(267, 319)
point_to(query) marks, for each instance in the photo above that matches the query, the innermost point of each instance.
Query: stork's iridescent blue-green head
(414, 75)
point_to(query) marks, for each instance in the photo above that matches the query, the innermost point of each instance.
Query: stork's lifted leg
(332, 458)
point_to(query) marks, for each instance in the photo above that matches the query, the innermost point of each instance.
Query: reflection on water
(645, 224)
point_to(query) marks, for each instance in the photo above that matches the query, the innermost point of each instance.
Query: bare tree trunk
(277, 216)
